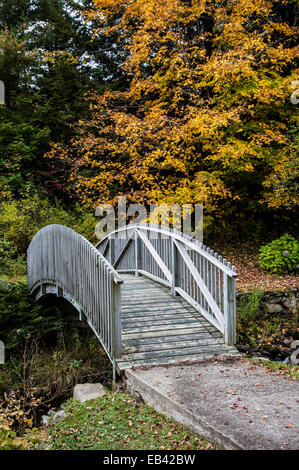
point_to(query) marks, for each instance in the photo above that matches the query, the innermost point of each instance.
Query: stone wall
(277, 302)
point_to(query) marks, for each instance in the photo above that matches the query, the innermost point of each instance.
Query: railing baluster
(174, 267)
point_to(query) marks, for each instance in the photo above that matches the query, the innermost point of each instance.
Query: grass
(290, 370)
(118, 422)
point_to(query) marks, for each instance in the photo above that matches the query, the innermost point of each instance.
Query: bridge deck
(160, 329)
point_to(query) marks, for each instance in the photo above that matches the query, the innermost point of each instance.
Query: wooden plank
(155, 322)
(151, 304)
(140, 329)
(141, 333)
(176, 338)
(169, 353)
(147, 316)
(126, 364)
(172, 346)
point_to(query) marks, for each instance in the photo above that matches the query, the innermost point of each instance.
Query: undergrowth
(45, 359)
(267, 333)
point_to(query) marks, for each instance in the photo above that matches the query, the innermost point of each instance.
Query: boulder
(45, 420)
(274, 308)
(290, 303)
(84, 392)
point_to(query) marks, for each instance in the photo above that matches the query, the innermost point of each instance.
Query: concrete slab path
(235, 403)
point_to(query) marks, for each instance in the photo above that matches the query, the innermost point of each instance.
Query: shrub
(11, 263)
(20, 220)
(9, 438)
(37, 379)
(21, 319)
(281, 256)
(249, 307)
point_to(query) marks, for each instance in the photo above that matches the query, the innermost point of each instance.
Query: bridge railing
(62, 262)
(190, 269)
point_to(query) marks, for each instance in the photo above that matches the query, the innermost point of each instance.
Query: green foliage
(249, 308)
(280, 256)
(7, 437)
(21, 220)
(31, 440)
(20, 145)
(21, 319)
(44, 46)
(118, 422)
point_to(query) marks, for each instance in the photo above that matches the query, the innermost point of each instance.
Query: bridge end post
(137, 254)
(116, 320)
(116, 328)
(229, 310)
(174, 267)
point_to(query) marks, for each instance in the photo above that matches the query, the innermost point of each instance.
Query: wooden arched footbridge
(151, 295)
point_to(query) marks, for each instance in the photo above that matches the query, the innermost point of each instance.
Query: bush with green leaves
(281, 256)
(249, 308)
(21, 219)
(21, 319)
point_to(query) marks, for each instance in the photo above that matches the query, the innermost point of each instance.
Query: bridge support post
(116, 320)
(174, 267)
(113, 376)
(112, 250)
(137, 253)
(229, 310)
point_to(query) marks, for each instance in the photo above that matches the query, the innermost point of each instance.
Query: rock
(45, 420)
(261, 358)
(84, 392)
(274, 308)
(58, 416)
(289, 303)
